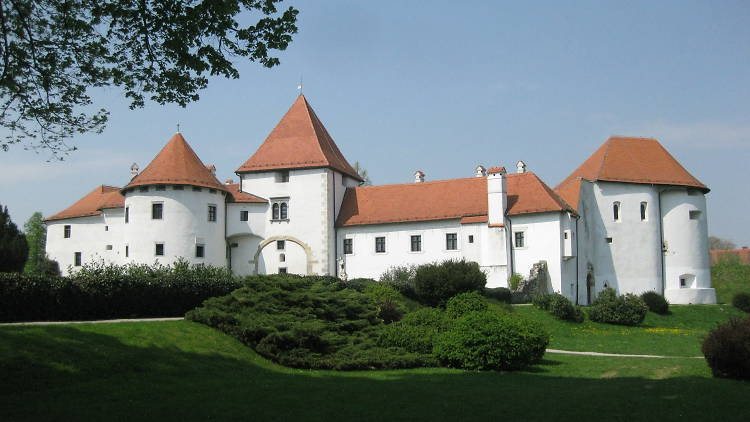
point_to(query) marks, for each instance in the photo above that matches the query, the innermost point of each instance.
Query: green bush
(401, 278)
(561, 308)
(435, 283)
(489, 340)
(656, 303)
(741, 301)
(359, 284)
(498, 293)
(101, 291)
(461, 304)
(727, 349)
(416, 332)
(542, 301)
(620, 310)
(310, 322)
(514, 281)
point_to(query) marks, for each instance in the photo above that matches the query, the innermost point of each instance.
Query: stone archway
(303, 245)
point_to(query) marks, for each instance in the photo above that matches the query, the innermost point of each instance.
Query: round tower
(175, 208)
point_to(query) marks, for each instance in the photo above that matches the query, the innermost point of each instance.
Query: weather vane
(178, 127)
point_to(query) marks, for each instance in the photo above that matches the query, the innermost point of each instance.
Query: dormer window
(282, 176)
(616, 211)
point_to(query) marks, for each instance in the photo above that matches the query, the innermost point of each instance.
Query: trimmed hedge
(99, 291)
(727, 349)
(417, 331)
(741, 301)
(620, 310)
(656, 303)
(435, 283)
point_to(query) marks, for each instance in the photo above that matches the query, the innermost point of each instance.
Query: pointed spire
(176, 163)
(299, 140)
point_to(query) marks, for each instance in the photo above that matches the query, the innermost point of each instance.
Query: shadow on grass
(73, 374)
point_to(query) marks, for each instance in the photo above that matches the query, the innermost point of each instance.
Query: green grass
(177, 371)
(677, 334)
(729, 277)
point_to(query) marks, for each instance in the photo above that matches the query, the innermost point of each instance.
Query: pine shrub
(620, 310)
(656, 303)
(435, 283)
(727, 349)
(416, 331)
(741, 301)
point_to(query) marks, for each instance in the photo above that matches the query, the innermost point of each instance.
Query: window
(683, 282)
(161, 188)
(282, 257)
(519, 239)
(197, 189)
(282, 176)
(608, 239)
(693, 192)
(77, 259)
(212, 191)
(200, 251)
(471, 238)
(143, 189)
(159, 249)
(282, 270)
(66, 231)
(565, 235)
(106, 228)
(243, 215)
(127, 251)
(157, 211)
(212, 213)
(178, 187)
(108, 247)
(348, 246)
(695, 215)
(380, 244)
(284, 211)
(416, 243)
(451, 241)
(280, 245)
(127, 214)
(616, 211)
(280, 210)
(644, 207)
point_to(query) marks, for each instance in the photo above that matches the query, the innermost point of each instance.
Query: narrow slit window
(212, 213)
(616, 211)
(644, 208)
(77, 259)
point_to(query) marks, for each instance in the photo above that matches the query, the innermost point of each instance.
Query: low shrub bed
(656, 303)
(727, 349)
(609, 308)
(99, 291)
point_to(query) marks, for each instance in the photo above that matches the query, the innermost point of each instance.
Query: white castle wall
(542, 242)
(184, 225)
(87, 236)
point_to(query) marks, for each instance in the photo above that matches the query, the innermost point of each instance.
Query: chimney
(520, 167)
(419, 176)
(229, 182)
(480, 171)
(497, 195)
(212, 169)
(134, 170)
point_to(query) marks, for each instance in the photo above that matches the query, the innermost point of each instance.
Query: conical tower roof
(299, 140)
(177, 164)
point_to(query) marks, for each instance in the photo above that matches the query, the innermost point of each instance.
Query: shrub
(621, 310)
(389, 312)
(498, 293)
(655, 302)
(542, 301)
(381, 293)
(727, 349)
(561, 308)
(416, 332)
(741, 301)
(514, 281)
(359, 284)
(401, 278)
(463, 303)
(435, 283)
(488, 340)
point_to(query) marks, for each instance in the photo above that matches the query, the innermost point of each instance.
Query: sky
(445, 86)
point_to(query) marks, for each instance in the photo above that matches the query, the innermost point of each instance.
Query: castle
(630, 218)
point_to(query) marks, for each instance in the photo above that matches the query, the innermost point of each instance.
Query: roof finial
(178, 127)
(299, 87)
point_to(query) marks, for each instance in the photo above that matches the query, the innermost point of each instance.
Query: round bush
(501, 294)
(727, 349)
(741, 301)
(656, 302)
(435, 283)
(489, 340)
(542, 301)
(620, 310)
(417, 330)
(562, 308)
(464, 303)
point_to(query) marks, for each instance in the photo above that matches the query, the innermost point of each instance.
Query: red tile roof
(178, 164)
(465, 199)
(742, 254)
(243, 197)
(299, 140)
(629, 160)
(100, 198)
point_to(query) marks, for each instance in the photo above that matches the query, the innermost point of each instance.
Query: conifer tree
(13, 247)
(36, 237)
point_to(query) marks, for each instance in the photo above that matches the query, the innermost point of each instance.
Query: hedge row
(101, 291)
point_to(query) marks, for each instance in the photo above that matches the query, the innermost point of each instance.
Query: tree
(13, 247)
(36, 238)
(53, 51)
(362, 172)
(717, 243)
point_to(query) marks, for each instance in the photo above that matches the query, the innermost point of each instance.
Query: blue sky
(444, 86)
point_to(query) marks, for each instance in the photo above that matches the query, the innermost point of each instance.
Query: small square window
(243, 215)
(608, 239)
(212, 191)
(212, 213)
(471, 238)
(178, 187)
(695, 215)
(143, 188)
(157, 211)
(416, 243)
(348, 246)
(108, 247)
(451, 241)
(280, 245)
(77, 259)
(282, 176)
(159, 249)
(197, 189)
(66, 231)
(161, 188)
(380, 244)
(234, 245)
(199, 251)
(282, 270)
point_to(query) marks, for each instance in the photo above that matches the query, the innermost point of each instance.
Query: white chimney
(419, 176)
(520, 167)
(229, 182)
(497, 195)
(134, 170)
(212, 169)
(480, 171)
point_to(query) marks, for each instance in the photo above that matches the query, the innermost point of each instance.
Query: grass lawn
(730, 277)
(185, 371)
(677, 334)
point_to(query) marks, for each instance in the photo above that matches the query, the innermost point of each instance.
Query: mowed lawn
(180, 371)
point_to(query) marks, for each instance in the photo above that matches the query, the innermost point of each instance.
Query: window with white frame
(451, 241)
(416, 243)
(212, 213)
(519, 239)
(380, 244)
(348, 246)
(157, 211)
(280, 209)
